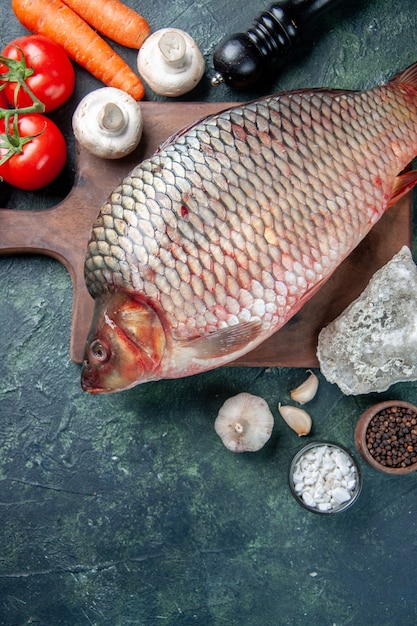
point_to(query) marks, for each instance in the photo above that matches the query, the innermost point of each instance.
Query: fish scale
(237, 219)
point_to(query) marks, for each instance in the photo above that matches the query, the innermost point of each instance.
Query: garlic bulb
(307, 390)
(297, 419)
(244, 423)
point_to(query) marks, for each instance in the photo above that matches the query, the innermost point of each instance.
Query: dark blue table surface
(126, 509)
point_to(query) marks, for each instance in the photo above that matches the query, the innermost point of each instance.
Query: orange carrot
(56, 20)
(113, 19)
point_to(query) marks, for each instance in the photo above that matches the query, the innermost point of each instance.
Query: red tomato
(41, 159)
(3, 101)
(53, 78)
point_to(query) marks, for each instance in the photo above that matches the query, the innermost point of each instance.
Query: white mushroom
(108, 122)
(170, 62)
(244, 423)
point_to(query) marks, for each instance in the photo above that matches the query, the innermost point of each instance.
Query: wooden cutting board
(63, 231)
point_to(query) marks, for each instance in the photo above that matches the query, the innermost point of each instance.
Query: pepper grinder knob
(240, 59)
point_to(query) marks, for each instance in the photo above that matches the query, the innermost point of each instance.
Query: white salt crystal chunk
(324, 506)
(308, 499)
(319, 491)
(298, 475)
(328, 463)
(373, 343)
(342, 461)
(311, 479)
(340, 495)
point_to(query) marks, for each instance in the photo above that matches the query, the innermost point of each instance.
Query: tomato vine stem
(17, 72)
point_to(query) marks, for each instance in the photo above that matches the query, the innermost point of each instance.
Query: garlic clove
(307, 390)
(296, 418)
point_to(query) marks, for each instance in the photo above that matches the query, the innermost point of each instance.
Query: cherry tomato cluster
(36, 77)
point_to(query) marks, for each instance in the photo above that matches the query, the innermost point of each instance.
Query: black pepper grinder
(240, 59)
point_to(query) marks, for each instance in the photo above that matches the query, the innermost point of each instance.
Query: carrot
(56, 20)
(113, 19)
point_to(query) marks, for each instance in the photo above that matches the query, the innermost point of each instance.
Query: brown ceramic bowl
(394, 431)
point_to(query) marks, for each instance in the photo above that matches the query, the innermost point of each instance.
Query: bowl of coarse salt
(324, 477)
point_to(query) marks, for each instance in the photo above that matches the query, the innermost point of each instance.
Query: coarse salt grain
(325, 477)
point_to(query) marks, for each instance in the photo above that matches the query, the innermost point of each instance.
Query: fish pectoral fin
(403, 184)
(225, 341)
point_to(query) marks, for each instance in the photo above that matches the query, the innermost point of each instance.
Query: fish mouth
(93, 390)
(87, 387)
(89, 382)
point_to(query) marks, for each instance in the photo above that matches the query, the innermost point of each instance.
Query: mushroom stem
(111, 118)
(172, 47)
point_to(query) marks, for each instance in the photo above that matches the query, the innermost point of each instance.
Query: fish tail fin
(407, 76)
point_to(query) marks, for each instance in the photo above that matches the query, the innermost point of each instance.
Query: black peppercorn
(391, 437)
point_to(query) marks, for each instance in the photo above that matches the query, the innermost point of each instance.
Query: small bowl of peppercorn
(386, 437)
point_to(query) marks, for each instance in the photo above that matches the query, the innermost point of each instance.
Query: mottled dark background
(126, 509)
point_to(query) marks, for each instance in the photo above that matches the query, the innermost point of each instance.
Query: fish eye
(98, 351)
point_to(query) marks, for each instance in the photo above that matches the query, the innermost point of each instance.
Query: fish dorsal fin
(407, 76)
(403, 184)
(225, 341)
